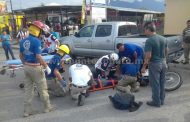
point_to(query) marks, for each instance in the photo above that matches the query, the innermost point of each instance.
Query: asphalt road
(97, 106)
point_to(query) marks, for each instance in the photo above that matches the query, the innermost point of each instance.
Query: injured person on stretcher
(126, 78)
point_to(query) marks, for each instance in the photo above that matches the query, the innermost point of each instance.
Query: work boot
(185, 62)
(30, 113)
(81, 99)
(135, 106)
(49, 109)
(27, 109)
(151, 103)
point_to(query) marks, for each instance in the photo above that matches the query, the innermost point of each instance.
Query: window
(86, 32)
(127, 30)
(103, 30)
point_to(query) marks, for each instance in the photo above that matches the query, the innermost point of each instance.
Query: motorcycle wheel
(173, 81)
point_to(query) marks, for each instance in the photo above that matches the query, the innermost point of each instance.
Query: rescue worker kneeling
(106, 66)
(124, 99)
(129, 71)
(56, 84)
(80, 77)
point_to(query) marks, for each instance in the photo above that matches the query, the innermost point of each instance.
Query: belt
(32, 64)
(79, 86)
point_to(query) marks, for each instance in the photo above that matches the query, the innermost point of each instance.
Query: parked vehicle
(173, 80)
(101, 39)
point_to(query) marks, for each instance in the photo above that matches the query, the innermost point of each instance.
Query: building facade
(176, 15)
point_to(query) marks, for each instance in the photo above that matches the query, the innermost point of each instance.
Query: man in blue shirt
(132, 51)
(131, 57)
(56, 84)
(30, 55)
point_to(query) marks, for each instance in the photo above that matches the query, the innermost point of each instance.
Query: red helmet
(39, 24)
(35, 28)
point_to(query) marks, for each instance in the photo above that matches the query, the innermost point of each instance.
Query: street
(97, 106)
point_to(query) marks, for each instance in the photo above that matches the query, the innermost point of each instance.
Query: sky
(150, 4)
(22, 4)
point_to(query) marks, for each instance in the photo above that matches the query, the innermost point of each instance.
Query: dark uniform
(55, 87)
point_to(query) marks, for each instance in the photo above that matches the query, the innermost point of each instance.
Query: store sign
(98, 13)
(3, 6)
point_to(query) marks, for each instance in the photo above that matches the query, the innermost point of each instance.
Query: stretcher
(103, 84)
(13, 65)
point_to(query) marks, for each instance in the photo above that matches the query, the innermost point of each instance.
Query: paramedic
(51, 43)
(106, 66)
(30, 55)
(80, 77)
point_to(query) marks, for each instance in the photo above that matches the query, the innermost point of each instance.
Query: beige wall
(176, 14)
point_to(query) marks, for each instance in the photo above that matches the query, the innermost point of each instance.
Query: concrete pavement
(14, 45)
(97, 107)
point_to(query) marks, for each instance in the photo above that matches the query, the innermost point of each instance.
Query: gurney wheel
(21, 85)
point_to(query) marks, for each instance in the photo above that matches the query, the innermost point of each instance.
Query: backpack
(122, 101)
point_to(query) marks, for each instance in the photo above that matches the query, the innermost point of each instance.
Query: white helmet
(46, 28)
(114, 56)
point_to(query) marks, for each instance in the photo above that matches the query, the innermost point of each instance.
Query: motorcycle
(173, 80)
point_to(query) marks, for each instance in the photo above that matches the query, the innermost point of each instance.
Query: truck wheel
(73, 57)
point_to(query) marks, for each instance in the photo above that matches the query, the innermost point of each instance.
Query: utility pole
(11, 6)
(13, 19)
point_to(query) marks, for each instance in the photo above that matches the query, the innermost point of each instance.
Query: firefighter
(30, 55)
(56, 83)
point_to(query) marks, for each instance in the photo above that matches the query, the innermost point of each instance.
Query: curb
(180, 66)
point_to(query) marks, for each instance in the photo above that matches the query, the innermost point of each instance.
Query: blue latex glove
(63, 83)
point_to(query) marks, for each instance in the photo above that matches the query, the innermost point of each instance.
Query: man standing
(186, 42)
(80, 77)
(30, 55)
(155, 58)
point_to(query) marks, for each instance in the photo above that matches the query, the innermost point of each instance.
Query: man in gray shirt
(186, 42)
(155, 59)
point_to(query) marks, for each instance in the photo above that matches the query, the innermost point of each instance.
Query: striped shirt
(22, 35)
